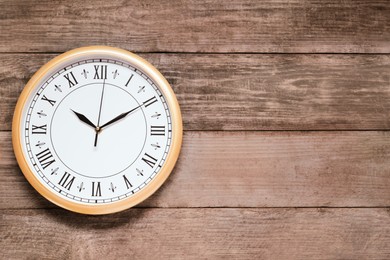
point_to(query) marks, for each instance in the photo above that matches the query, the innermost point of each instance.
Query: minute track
(134, 189)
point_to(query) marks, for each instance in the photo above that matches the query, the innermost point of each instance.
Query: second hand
(100, 111)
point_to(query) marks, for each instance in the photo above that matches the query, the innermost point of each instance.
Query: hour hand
(84, 119)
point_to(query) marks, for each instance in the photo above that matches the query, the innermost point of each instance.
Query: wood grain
(237, 67)
(252, 92)
(328, 26)
(253, 169)
(198, 234)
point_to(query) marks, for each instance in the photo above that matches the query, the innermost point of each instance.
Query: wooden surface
(330, 26)
(198, 234)
(254, 169)
(251, 91)
(286, 151)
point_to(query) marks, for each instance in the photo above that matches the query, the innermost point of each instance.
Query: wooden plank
(253, 169)
(329, 26)
(197, 234)
(253, 92)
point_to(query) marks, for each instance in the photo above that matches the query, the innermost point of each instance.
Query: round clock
(97, 130)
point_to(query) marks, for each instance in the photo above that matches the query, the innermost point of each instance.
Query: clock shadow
(133, 217)
(82, 221)
(79, 221)
(162, 198)
(124, 219)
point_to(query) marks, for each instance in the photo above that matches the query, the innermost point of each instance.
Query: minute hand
(120, 117)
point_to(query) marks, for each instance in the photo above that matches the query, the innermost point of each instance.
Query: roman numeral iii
(149, 160)
(39, 129)
(71, 79)
(45, 158)
(67, 181)
(100, 72)
(96, 190)
(157, 130)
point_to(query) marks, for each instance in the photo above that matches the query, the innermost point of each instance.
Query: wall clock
(97, 130)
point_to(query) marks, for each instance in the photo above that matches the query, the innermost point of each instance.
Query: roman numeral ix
(67, 181)
(149, 160)
(100, 72)
(45, 158)
(39, 129)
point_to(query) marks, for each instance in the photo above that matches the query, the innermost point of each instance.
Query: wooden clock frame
(99, 52)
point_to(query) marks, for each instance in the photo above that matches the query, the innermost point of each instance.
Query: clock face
(97, 130)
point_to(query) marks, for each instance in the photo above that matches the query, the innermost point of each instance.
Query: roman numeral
(128, 184)
(67, 181)
(129, 80)
(151, 161)
(45, 158)
(96, 191)
(71, 79)
(150, 101)
(39, 129)
(51, 102)
(100, 72)
(157, 130)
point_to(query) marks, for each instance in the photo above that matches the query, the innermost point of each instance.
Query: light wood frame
(99, 52)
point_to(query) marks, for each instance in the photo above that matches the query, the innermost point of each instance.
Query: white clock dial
(96, 131)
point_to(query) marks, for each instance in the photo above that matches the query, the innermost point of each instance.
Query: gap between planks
(204, 53)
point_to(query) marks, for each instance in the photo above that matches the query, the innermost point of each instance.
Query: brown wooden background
(286, 108)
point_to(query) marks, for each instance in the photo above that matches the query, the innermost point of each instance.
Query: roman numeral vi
(96, 190)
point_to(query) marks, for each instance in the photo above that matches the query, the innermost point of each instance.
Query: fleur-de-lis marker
(39, 144)
(54, 171)
(156, 146)
(156, 115)
(58, 88)
(140, 172)
(84, 73)
(41, 114)
(80, 187)
(115, 73)
(112, 187)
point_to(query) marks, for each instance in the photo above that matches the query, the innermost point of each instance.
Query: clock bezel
(99, 52)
